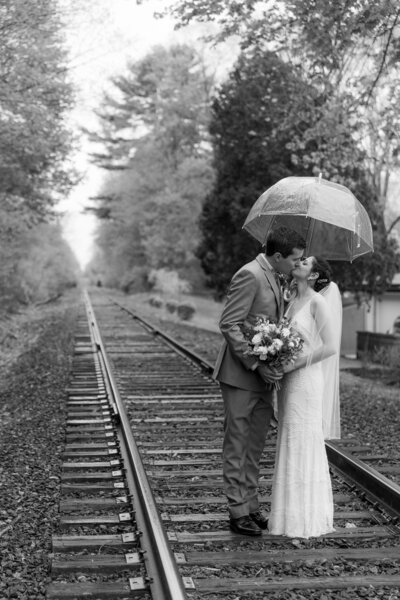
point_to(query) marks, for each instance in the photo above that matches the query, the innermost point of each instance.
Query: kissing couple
(307, 399)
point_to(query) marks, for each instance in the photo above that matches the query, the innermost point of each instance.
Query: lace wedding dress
(302, 502)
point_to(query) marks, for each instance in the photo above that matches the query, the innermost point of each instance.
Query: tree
(266, 124)
(37, 267)
(34, 98)
(347, 130)
(373, 273)
(333, 42)
(170, 231)
(379, 136)
(164, 97)
(157, 151)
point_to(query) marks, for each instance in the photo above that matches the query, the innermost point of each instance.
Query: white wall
(353, 321)
(381, 316)
(377, 316)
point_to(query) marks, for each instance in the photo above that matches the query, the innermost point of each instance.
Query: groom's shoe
(245, 526)
(259, 519)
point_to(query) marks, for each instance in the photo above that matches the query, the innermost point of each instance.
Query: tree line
(35, 97)
(315, 89)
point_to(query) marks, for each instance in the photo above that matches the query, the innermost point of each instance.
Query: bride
(308, 407)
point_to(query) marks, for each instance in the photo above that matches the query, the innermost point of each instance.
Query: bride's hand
(288, 368)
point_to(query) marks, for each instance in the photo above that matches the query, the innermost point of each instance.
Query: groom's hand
(269, 374)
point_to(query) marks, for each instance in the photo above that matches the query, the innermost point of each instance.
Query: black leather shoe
(260, 519)
(245, 526)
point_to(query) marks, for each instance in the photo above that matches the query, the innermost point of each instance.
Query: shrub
(166, 281)
(389, 356)
(185, 311)
(155, 301)
(382, 363)
(135, 280)
(36, 267)
(171, 306)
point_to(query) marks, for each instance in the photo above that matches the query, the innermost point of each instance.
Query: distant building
(377, 316)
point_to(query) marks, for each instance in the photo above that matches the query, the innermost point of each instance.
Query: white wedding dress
(302, 501)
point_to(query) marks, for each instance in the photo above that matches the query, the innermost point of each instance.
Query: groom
(245, 382)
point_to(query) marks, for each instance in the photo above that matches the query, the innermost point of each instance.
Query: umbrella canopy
(331, 219)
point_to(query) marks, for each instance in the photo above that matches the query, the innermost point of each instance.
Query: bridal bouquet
(275, 343)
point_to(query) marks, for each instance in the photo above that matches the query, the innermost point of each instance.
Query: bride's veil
(330, 366)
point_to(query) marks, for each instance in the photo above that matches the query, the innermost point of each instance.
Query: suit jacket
(253, 293)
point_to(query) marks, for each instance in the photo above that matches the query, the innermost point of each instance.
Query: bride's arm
(325, 328)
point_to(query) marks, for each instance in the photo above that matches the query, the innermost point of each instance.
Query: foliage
(157, 131)
(34, 98)
(162, 97)
(373, 273)
(350, 46)
(155, 301)
(36, 267)
(134, 280)
(171, 306)
(355, 39)
(119, 260)
(250, 154)
(167, 281)
(380, 139)
(266, 124)
(175, 209)
(185, 311)
(388, 356)
(302, 99)
(342, 122)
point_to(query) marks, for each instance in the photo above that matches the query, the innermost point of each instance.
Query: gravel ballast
(370, 410)
(35, 367)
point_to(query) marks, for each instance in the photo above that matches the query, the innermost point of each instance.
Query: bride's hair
(323, 268)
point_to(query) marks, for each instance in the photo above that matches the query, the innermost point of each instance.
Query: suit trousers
(247, 418)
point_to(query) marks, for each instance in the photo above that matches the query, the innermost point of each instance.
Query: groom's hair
(283, 240)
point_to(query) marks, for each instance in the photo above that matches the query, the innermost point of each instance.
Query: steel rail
(165, 580)
(374, 484)
(193, 356)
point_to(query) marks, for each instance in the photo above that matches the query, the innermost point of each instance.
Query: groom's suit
(253, 293)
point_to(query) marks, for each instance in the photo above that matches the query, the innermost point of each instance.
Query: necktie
(280, 279)
(283, 285)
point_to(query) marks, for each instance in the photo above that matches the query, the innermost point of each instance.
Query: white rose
(256, 339)
(262, 352)
(285, 332)
(277, 344)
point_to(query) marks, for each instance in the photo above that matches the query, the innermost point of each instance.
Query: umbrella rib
(270, 229)
(310, 231)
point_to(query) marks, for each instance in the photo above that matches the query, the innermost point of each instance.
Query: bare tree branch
(385, 52)
(393, 225)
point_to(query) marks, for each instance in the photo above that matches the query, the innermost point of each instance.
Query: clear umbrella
(331, 219)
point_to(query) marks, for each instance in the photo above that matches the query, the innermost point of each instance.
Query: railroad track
(142, 409)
